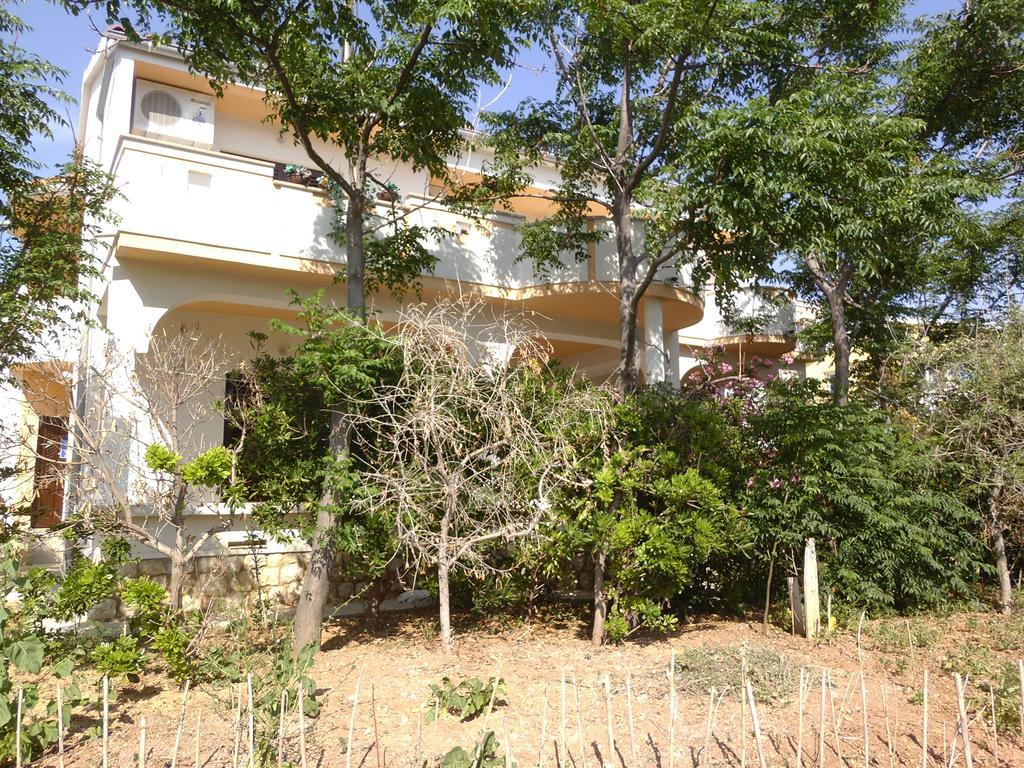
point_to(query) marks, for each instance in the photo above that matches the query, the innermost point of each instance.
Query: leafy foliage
(485, 755)
(120, 658)
(889, 534)
(467, 700)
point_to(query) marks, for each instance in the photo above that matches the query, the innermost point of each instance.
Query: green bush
(120, 658)
(854, 478)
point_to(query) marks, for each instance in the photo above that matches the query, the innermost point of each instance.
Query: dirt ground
(398, 662)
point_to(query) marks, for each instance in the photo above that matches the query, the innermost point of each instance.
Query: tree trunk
(600, 603)
(623, 222)
(309, 613)
(176, 583)
(355, 260)
(444, 606)
(999, 548)
(841, 347)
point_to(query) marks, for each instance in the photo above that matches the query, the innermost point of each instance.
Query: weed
(770, 673)
(1007, 632)
(970, 660)
(895, 635)
(466, 700)
(483, 756)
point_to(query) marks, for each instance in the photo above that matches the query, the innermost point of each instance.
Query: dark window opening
(237, 391)
(48, 488)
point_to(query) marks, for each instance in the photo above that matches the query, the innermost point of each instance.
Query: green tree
(384, 81)
(639, 84)
(294, 412)
(46, 225)
(970, 395)
(846, 192)
(890, 532)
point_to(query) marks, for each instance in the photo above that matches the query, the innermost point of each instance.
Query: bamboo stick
(705, 757)
(672, 712)
(199, 722)
(629, 715)
(181, 726)
(302, 726)
(821, 722)
(743, 709)
(17, 730)
(543, 729)
(252, 729)
(611, 729)
(924, 722)
(60, 727)
(236, 697)
(352, 718)
(142, 741)
(888, 729)
(579, 722)
(509, 760)
(1020, 675)
(995, 731)
(965, 726)
(106, 721)
(800, 723)
(835, 721)
(755, 720)
(864, 712)
(562, 721)
(373, 714)
(280, 728)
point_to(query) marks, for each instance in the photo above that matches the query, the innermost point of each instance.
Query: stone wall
(230, 580)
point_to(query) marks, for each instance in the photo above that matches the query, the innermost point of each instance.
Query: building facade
(217, 218)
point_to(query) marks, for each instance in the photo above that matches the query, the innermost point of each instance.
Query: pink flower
(775, 484)
(788, 358)
(726, 367)
(750, 482)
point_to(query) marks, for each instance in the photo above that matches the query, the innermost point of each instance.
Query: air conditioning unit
(173, 114)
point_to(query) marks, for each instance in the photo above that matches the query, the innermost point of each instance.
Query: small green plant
(970, 660)
(484, 755)
(145, 598)
(120, 658)
(85, 584)
(466, 700)
(1008, 632)
(771, 674)
(896, 635)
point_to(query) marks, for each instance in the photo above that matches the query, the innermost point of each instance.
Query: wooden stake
(252, 729)
(280, 728)
(757, 726)
(888, 729)
(995, 731)
(142, 741)
(419, 742)
(629, 715)
(1020, 675)
(509, 760)
(821, 722)
(835, 721)
(199, 722)
(743, 709)
(800, 723)
(864, 713)
(373, 714)
(611, 730)
(812, 606)
(796, 605)
(561, 736)
(965, 725)
(924, 722)
(352, 718)
(106, 721)
(237, 691)
(181, 726)
(705, 757)
(302, 727)
(672, 712)
(17, 730)
(543, 729)
(60, 727)
(579, 722)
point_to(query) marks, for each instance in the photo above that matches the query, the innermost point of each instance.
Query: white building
(213, 226)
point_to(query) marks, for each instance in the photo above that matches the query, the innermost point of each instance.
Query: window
(51, 452)
(236, 392)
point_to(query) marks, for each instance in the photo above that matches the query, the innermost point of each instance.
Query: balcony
(241, 214)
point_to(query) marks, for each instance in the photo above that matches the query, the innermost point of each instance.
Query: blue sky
(67, 40)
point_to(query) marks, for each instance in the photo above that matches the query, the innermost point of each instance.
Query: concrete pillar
(655, 363)
(672, 351)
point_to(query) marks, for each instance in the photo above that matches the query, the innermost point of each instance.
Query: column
(654, 342)
(672, 351)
